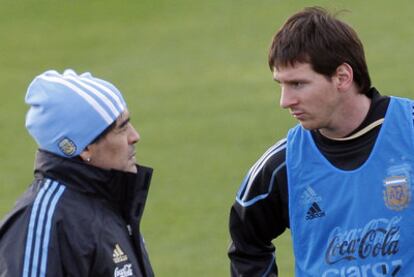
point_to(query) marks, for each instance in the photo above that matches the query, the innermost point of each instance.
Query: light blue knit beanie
(68, 111)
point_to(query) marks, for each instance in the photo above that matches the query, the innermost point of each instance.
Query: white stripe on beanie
(97, 93)
(95, 105)
(87, 78)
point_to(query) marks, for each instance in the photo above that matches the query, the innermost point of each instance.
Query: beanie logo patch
(67, 146)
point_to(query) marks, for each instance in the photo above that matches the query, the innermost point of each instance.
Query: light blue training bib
(357, 223)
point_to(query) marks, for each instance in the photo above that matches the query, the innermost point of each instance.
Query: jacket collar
(126, 191)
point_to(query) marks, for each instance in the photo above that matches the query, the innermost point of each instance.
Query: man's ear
(86, 154)
(344, 77)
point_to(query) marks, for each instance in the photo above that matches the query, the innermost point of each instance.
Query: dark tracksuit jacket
(76, 220)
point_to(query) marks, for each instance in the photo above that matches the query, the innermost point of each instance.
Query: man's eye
(122, 129)
(298, 85)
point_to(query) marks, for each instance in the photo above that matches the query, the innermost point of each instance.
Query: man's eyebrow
(123, 123)
(292, 81)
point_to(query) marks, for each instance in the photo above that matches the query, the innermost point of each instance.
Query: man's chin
(133, 168)
(309, 124)
(306, 125)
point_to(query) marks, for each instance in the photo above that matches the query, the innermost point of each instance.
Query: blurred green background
(196, 80)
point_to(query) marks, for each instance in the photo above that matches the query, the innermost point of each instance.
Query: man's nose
(134, 136)
(287, 100)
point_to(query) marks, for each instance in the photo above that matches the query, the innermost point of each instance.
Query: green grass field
(195, 77)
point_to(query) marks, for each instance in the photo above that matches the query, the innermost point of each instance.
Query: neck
(349, 116)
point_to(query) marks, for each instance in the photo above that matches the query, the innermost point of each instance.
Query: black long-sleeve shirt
(261, 210)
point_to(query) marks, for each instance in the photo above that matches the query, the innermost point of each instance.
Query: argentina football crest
(67, 146)
(397, 187)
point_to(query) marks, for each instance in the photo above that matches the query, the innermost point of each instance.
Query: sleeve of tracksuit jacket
(34, 242)
(259, 215)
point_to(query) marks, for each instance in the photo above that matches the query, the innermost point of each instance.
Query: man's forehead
(291, 71)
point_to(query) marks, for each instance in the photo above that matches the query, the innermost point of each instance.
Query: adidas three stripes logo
(314, 212)
(38, 233)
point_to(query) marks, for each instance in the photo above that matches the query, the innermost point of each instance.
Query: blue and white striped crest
(68, 111)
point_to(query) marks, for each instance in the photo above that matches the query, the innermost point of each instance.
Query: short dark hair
(316, 37)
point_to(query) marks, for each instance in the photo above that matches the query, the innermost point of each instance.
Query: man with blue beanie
(81, 215)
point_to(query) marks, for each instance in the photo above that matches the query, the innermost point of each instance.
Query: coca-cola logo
(125, 271)
(378, 238)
